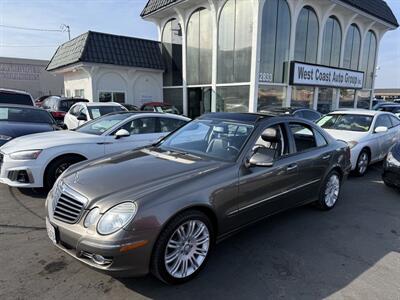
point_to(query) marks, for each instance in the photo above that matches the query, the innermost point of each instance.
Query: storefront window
(275, 41)
(270, 97)
(307, 36)
(233, 98)
(325, 100)
(368, 59)
(174, 97)
(112, 97)
(199, 48)
(363, 99)
(352, 48)
(332, 42)
(302, 96)
(347, 98)
(234, 43)
(172, 53)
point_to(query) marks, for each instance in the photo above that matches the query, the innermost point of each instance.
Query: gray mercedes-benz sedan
(160, 209)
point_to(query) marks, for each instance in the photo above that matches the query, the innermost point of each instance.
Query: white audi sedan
(82, 112)
(37, 160)
(370, 134)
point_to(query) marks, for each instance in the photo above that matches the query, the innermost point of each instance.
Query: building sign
(9, 71)
(316, 75)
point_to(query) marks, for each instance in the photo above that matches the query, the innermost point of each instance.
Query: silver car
(370, 134)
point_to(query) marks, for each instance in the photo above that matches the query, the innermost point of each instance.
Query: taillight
(58, 114)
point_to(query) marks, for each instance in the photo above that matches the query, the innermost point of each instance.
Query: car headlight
(92, 217)
(26, 155)
(352, 144)
(116, 218)
(5, 137)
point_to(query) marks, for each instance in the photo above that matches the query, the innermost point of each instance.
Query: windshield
(101, 125)
(167, 109)
(98, 111)
(346, 122)
(26, 115)
(217, 139)
(14, 98)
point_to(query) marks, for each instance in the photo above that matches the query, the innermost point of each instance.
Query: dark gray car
(160, 209)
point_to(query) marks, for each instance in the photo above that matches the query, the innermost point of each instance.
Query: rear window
(65, 105)
(98, 111)
(26, 115)
(15, 98)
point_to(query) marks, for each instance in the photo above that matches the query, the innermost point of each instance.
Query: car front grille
(68, 208)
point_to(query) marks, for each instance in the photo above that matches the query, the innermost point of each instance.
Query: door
(143, 131)
(199, 101)
(384, 139)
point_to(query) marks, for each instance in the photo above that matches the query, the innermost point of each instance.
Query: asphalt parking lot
(352, 252)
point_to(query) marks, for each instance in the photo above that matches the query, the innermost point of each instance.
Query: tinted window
(321, 141)
(169, 124)
(352, 48)
(306, 45)
(332, 41)
(141, 126)
(346, 122)
(26, 115)
(383, 121)
(98, 111)
(303, 136)
(311, 115)
(395, 121)
(14, 98)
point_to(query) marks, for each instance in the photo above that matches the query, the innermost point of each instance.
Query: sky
(123, 17)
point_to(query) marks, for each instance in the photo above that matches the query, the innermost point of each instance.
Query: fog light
(101, 260)
(23, 177)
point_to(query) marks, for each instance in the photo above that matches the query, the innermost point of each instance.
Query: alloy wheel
(363, 163)
(332, 190)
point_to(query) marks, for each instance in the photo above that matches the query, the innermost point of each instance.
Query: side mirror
(381, 129)
(82, 117)
(260, 160)
(122, 133)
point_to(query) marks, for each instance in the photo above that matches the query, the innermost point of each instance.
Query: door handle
(326, 157)
(292, 167)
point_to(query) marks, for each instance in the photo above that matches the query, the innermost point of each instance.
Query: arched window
(368, 59)
(199, 47)
(172, 53)
(352, 48)
(332, 42)
(307, 36)
(235, 41)
(274, 41)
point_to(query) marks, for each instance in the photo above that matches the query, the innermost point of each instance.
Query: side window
(383, 121)
(319, 138)
(75, 110)
(169, 124)
(303, 136)
(141, 126)
(395, 121)
(272, 143)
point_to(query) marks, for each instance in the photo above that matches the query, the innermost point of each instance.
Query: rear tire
(362, 163)
(57, 167)
(330, 191)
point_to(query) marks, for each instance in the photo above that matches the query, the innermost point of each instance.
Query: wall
(76, 80)
(29, 75)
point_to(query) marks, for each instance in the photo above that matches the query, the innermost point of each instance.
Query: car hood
(134, 174)
(347, 136)
(48, 140)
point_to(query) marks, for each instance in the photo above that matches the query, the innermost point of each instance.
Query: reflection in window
(234, 42)
(174, 97)
(199, 47)
(112, 97)
(363, 99)
(352, 48)
(270, 97)
(306, 36)
(325, 100)
(368, 59)
(233, 98)
(347, 98)
(172, 53)
(275, 41)
(332, 42)
(302, 96)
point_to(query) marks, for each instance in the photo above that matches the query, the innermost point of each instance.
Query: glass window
(80, 93)
(169, 124)
(118, 97)
(105, 97)
(174, 97)
(274, 41)
(172, 53)
(25, 115)
(233, 98)
(352, 48)
(321, 141)
(325, 100)
(383, 121)
(307, 36)
(97, 111)
(395, 121)
(199, 47)
(363, 99)
(234, 43)
(346, 122)
(303, 136)
(302, 96)
(15, 98)
(270, 97)
(141, 126)
(368, 59)
(332, 41)
(101, 125)
(347, 98)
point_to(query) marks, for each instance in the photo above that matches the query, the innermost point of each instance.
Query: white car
(370, 134)
(37, 160)
(82, 112)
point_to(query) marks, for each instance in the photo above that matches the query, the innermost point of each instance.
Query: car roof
(364, 112)
(14, 91)
(148, 113)
(89, 104)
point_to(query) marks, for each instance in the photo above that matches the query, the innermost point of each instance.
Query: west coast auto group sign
(316, 75)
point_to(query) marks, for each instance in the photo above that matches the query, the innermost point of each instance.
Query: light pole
(66, 28)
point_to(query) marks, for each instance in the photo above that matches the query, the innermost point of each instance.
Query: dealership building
(253, 55)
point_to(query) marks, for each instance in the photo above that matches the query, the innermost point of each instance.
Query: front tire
(362, 163)
(182, 248)
(57, 167)
(330, 191)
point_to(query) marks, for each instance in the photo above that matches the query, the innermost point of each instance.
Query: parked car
(370, 134)
(15, 97)
(45, 156)
(161, 208)
(82, 112)
(130, 107)
(19, 120)
(391, 167)
(160, 107)
(393, 108)
(59, 106)
(381, 104)
(305, 113)
(39, 101)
